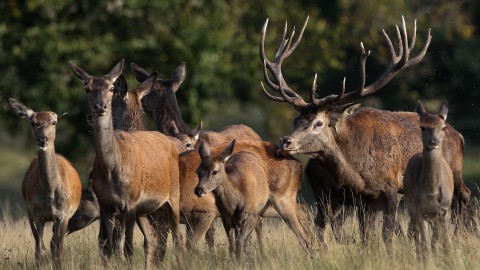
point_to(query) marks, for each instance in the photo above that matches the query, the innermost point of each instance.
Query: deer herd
(360, 158)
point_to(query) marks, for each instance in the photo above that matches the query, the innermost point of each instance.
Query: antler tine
(295, 44)
(283, 50)
(414, 36)
(397, 62)
(313, 97)
(272, 97)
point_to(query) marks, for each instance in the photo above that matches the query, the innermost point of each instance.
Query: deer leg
(389, 221)
(199, 224)
(105, 235)
(287, 208)
(366, 221)
(174, 225)
(227, 225)
(323, 203)
(118, 239)
(247, 223)
(149, 242)
(56, 245)
(259, 233)
(37, 230)
(161, 230)
(128, 221)
(210, 237)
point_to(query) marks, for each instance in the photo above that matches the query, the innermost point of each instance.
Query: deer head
(211, 171)
(99, 90)
(188, 139)
(320, 118)
(127, 104)
(163, 88)
(433, 126)
(43, 124)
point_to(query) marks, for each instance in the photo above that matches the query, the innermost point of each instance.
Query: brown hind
(428, 184)
(244, 190)
(51, 186)
(134, 174)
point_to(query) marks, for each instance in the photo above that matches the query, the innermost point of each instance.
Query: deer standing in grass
(360, 152)
(428, 184)
(245, 187)
(134, 174)
(51, 186)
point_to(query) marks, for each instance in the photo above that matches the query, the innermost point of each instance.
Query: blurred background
(219, 42)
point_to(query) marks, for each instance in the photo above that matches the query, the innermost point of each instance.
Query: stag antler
(397, 62)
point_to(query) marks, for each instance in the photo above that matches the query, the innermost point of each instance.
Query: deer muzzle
(100, 108)
(200, 192)
(42, 143)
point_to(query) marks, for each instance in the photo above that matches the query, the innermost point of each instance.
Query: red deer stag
(133, 175)
(51, 186)
(361, 152)
(428, 183)
(280, 179)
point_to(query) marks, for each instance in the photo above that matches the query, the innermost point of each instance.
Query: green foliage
(219, 42)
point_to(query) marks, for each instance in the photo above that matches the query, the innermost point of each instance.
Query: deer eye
(319, 124)
(112, 88)
(214, 172)
(188, 144)
(444, 128)
(54, 123)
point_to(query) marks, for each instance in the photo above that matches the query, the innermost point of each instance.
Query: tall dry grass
(282, 250)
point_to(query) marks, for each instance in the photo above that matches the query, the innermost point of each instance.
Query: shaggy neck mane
(167, 111)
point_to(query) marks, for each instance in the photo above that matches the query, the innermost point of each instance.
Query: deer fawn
(51, 186)
(244, 190)
(134, 174)
(428, 183)
(360, 152)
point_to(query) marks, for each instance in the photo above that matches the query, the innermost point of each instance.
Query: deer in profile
(162, 102)
(134, 174)
(244, 189)
(51, 186)
(428, 184)
(361, 152)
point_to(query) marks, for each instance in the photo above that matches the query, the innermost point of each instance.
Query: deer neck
(166, 111)
(432, 163)
(106, 146)
(47, 162)
(227, 195)
(333, 159)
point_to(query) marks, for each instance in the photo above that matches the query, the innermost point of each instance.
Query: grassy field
(282, 251)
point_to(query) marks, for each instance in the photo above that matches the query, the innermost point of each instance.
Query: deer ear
(196, 130)
(122, 86)
(204, 150)
(180, 75)
(342, 112)
(227, 152)
(140, 73)
(21, 110)
(80, 73)
(115, 72)
(420, 109)
(147, 86)
(443, 111)
(173, 129)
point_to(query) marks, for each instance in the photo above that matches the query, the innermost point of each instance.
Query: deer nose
(199, 191)
(434, 141)
(100, 107)
(42, 139)
(285, 142)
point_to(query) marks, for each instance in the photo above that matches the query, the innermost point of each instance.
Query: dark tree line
(219, 42)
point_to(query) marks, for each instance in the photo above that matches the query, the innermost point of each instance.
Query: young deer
(51, 186)
(134, 174)
(244, 189)
(428, 184)
(189, 139)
